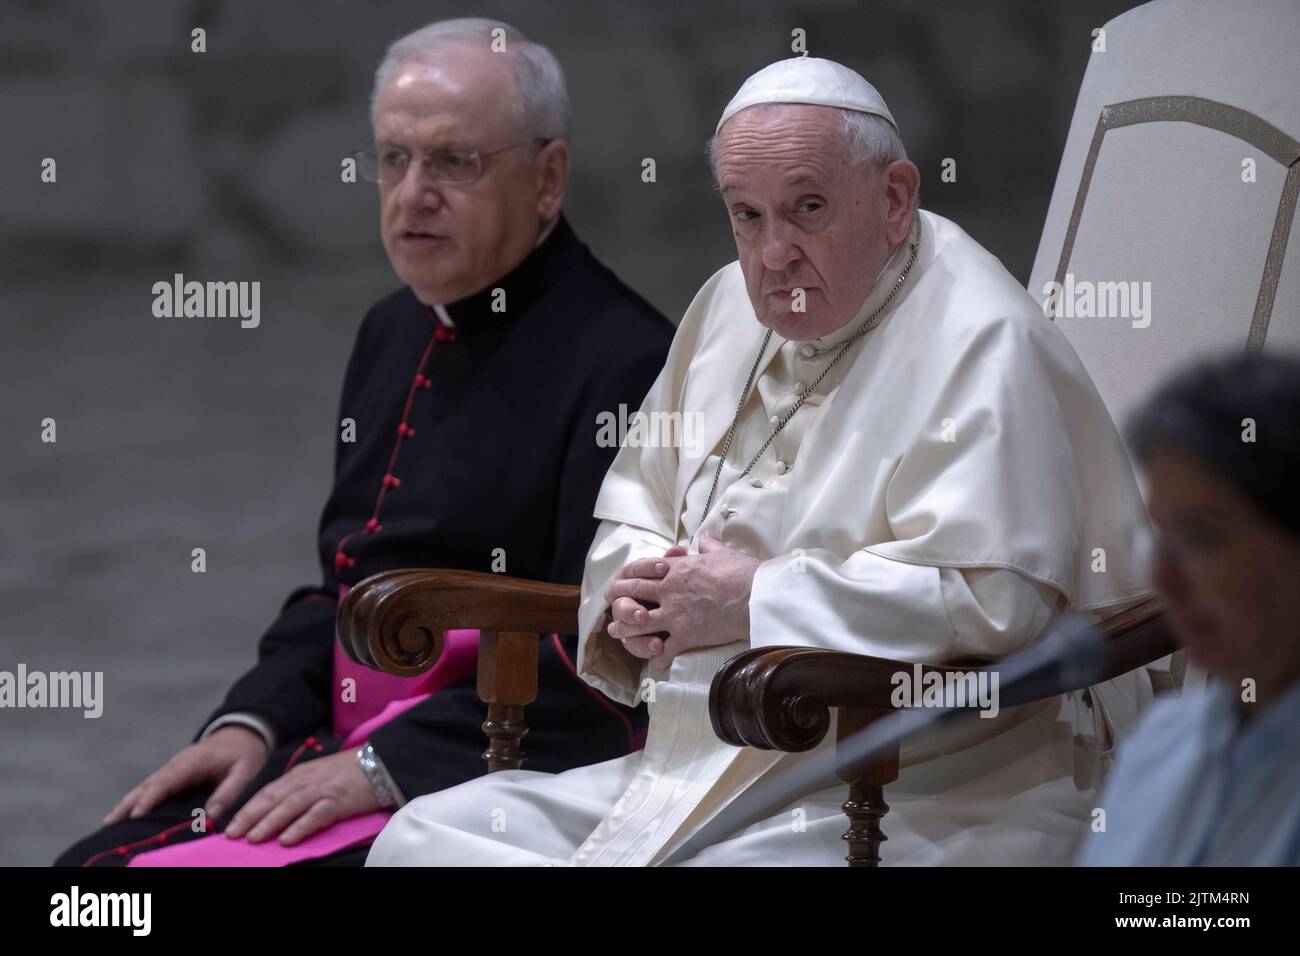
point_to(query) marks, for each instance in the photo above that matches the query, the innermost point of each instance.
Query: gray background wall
(183, 433)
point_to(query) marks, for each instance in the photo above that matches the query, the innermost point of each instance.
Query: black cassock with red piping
(470, 442)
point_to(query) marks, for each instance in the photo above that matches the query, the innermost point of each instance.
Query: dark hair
(1200, 411)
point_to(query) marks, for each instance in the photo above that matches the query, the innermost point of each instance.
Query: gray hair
(871, 141)
(543, 97)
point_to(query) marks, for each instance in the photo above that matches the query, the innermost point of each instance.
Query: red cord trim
(126, 849)
(311, 743)
(389, 479)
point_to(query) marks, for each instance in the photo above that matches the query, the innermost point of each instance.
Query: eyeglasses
(387, 164)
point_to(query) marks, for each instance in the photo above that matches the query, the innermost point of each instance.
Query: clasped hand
(662, 607)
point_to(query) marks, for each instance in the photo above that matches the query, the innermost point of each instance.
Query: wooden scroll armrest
(779, 698)
(394, 622)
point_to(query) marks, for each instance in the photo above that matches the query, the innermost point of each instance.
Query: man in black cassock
(474, 393)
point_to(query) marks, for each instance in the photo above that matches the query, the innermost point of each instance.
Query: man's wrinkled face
(811, 230)
(1228, 574)
(450, 241)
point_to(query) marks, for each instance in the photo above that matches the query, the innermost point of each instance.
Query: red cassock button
(392, 481)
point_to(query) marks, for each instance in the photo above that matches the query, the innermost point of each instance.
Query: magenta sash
(378, 699)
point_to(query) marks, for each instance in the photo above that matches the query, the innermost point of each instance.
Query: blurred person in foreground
(1211, 779)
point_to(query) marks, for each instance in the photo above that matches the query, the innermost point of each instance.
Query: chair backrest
(1169, 234)
(1180, 171)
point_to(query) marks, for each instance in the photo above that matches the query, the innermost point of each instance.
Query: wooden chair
(1183, 91)
(775, 698)
(779, 698)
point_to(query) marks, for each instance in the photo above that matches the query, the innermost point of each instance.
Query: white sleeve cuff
(602, 661)
(243, 719)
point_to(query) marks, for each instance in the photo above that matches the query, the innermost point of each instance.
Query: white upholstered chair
(1181, 170)
(1187, 98)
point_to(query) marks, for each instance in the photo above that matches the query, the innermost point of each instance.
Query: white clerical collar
(441, 312)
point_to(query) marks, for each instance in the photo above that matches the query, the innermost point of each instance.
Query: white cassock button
(757, 482)
(773, 420)
(807, 350)
(797, 387)
(782, 467)
(728, 512)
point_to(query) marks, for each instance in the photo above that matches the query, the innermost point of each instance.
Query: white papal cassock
(954, 484)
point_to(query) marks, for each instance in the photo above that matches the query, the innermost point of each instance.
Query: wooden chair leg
(866, 806)
(505, 728)
(507, 680)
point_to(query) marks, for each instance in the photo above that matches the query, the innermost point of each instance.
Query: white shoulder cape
(965, 434)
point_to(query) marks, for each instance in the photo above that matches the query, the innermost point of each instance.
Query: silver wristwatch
(386, 791)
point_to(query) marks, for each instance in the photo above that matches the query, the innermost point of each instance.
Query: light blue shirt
(1193, 787)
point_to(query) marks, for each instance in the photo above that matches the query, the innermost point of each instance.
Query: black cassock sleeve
(290, 685)
(571, 724)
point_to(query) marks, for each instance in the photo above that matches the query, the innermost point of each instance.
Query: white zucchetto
(807, 79)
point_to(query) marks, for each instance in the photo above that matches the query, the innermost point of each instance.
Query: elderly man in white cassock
(899, 456)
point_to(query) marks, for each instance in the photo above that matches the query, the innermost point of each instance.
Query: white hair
(539, 81)
(871, 140)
